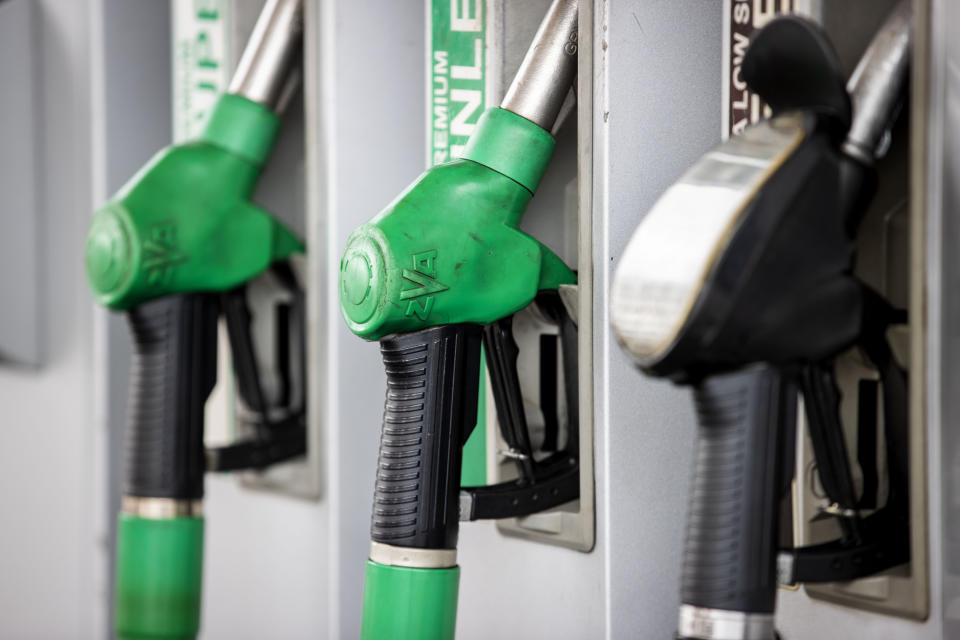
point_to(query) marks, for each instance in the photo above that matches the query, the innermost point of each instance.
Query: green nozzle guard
(388, 593)
(448, 249)
(184, 222)
(159, 577)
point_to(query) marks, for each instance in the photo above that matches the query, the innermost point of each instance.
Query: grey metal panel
(136, 102)
(20, 280)
(943, 191)
(51, 553)
(661, 82)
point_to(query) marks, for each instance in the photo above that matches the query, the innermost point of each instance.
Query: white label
(201, 62)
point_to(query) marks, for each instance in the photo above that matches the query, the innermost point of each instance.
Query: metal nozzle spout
(547, 72)
(270, 60)
(877, 84)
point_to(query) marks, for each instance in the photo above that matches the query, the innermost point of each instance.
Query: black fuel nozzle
(740, 283)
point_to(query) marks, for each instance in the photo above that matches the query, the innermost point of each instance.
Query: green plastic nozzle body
(159, 578)
(387, 594)
(184, 223)
(448, 250)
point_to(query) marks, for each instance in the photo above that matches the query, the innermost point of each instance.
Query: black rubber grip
(730, 550)
(431, 407)
(173, 373)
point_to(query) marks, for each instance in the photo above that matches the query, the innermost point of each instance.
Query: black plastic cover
(430, 409)
(792, 65)
(782, 291)
(173, 373)
(730, 551)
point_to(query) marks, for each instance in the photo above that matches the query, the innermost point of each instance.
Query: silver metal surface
(570, 296)
(785, 569)
(466, 506)
(411, 557)
(939, 194)
(270, 61)
(546, 75)
(161, 508)
(655, 64)
(835, 509)
(513, 454)
(878, 83)
(719, 624)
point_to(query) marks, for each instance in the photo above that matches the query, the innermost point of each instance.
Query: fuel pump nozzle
(739, 283)
(424, 277)
(173, 248)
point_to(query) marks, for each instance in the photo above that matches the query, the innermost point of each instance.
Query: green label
(457, 75)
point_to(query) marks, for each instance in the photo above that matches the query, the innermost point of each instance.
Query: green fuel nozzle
(173, 248)
(428, 277)
(185, 222)
(448, 250)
